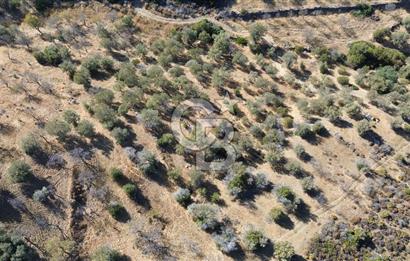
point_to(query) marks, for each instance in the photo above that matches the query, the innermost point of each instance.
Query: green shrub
(196, 179)
(304, 131)
(285, 192)
(284, 251)
(14, 248)
(293, 168)
(174, 174)
(289, 58)
(205, 215)
(146, 161)
(106, 254)
(33, 21)
(240, 59)
(131, 190)
(287, 122)
(276, 215)
(308, 184)
(400, 39)
(353, 110)
(104, 96)
(127, 75)
(319, 128)
(58, 128)
(97, 65)
(83, 77)
(41, 195)
(121, 135)
(52, 55)
(106, 115)
(69, 68)
(363, 53)
(167, 141)
(343, 80)
(86, 129)
(257, 31)
(406, 23)
(381, 35)
(117, 175)
(19, 171)
(364, 10)
(182, 196)
(253, 239)
(71, 117)
(363, 127)
(31, 146)
(241, 40)
(116, 210)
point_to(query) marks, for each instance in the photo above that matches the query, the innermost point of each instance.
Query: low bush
(71, 117)
(304, 131)
(41, 195)
(52, 55)
(83, 77)
(106, 254)
(31, 145)
(85, 128)
(226, 241)
(58, 128)
(131, 190)
(116, 210)
(343, 80)
(254, 239)
(19, 171)
(117, 175)
(284, 251)
(167, 141)
(14, 248)
(182, 196)
(121, 135)
(205, 215)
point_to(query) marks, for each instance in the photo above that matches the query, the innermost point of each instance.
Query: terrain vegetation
(91, 169)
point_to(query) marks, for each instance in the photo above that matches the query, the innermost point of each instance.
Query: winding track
(261, 15)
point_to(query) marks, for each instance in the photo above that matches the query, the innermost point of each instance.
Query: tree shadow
(341, 123)
(159, 174)
(123, 216)
(402, 133)
(373, 137)
(33, 183)
(138, 197)
(119, 56)
(102, 143)
(286, 222)
(7, 212)
(298, 258)
(303, 213)
(238, 254)
(266, 252)
(40, 157)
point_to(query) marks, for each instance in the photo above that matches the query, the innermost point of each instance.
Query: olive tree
(284, 251)
(19, 171)
(105, 253)
(205, 215)
(254, 239)
(58, 128)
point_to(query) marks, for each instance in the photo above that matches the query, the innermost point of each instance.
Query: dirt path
(147, 14)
